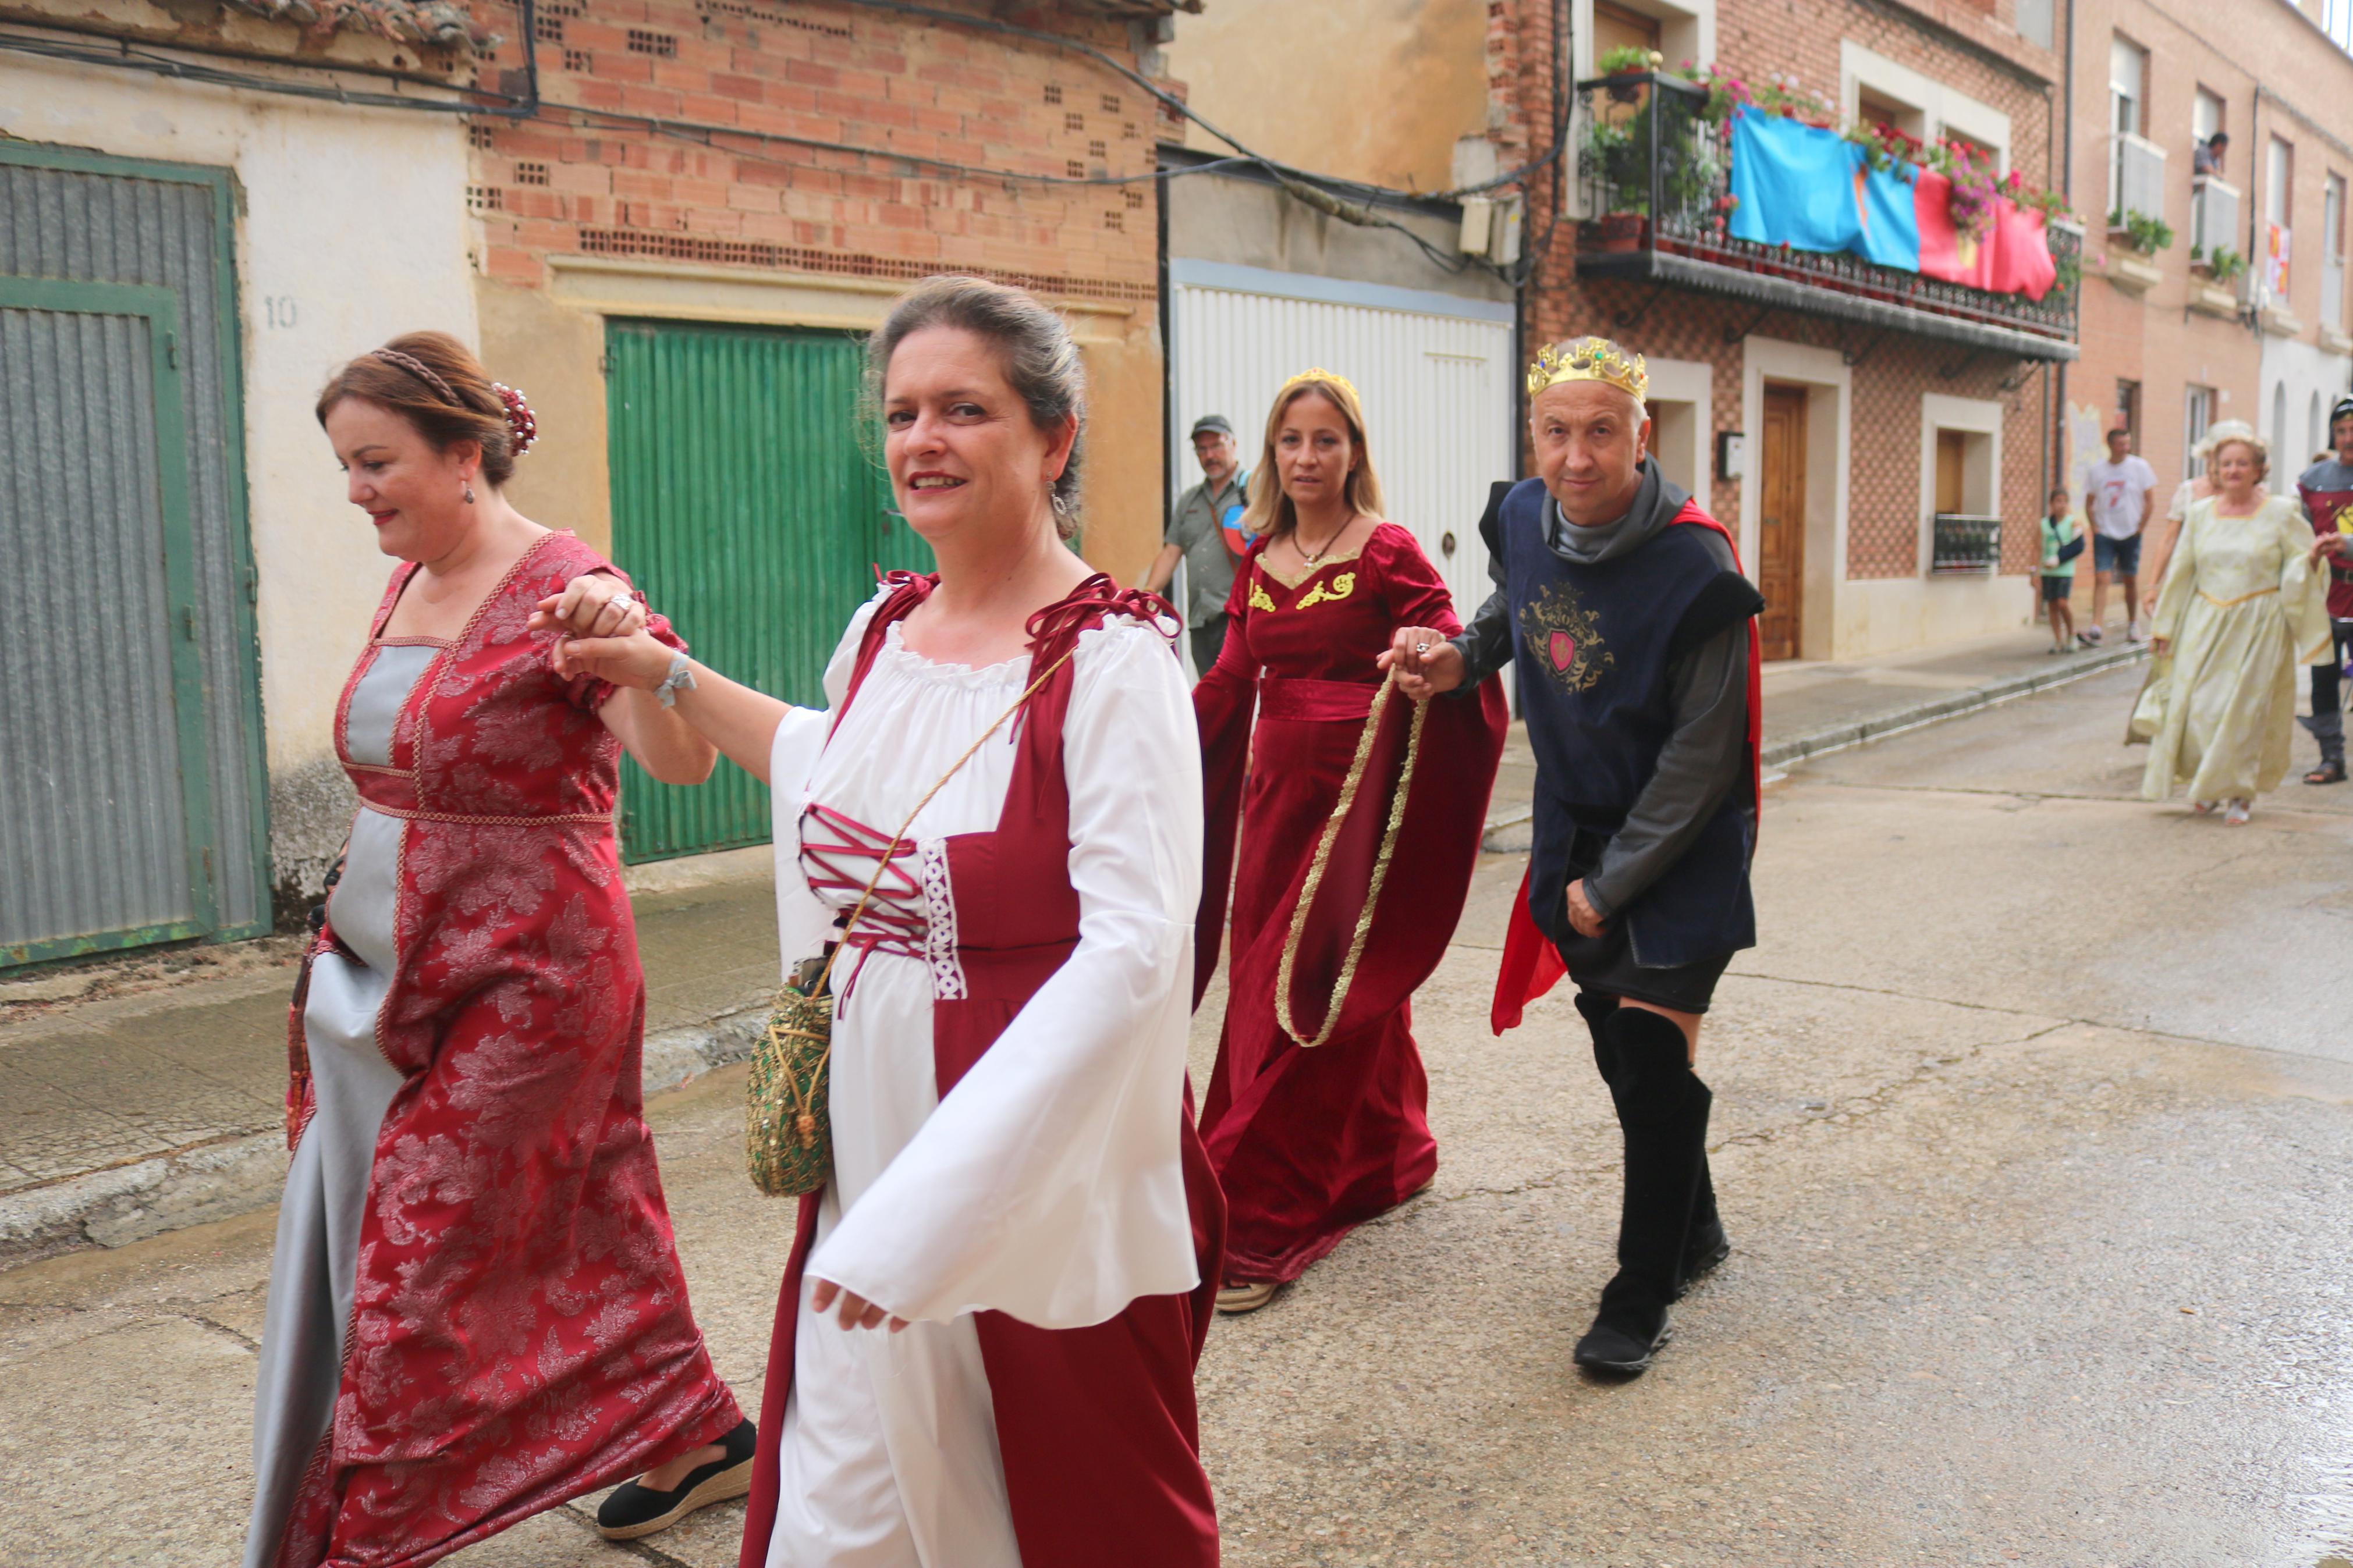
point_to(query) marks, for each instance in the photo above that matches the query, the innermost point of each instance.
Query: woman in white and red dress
(1018, 1195)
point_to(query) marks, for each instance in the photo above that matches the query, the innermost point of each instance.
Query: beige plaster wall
(1124, 476)
(551, 353)
(1377, 90)
(351, 228)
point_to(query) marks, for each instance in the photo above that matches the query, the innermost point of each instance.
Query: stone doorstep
(1508, 831)
(229, 1176)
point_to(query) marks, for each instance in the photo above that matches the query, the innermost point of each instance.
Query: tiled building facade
(1864, 585)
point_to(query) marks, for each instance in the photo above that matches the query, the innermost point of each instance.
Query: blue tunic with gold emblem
(1594, 645)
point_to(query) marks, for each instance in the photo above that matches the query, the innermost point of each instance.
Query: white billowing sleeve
(1047, 1184)
(803, 920)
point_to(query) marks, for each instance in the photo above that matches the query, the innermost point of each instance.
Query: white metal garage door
(1435, 373)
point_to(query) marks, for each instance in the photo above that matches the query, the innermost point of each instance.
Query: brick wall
(571, 183)
(1883, 479)
(1964, 46)
(744, 161)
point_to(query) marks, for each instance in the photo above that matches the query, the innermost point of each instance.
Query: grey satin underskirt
(313, 1275)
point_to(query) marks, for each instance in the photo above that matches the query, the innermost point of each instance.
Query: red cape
(1532, 965)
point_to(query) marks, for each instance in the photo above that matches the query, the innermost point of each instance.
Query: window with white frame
(2127, 87)
(2206, 118)
(2332, 254)
(1960, 495)
(1679, 29)
(2197, 418)
(2135, 164)
(2279, 217)
(1873, 88)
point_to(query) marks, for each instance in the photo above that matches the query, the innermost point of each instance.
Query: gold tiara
(1319, 374)
(1591, 359)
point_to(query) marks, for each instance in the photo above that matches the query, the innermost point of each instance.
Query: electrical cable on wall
(1346, 200)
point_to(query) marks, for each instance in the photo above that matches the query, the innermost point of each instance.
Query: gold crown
(1591, 359)
(1319, 374)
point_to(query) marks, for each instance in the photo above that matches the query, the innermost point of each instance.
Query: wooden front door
(1781, 525)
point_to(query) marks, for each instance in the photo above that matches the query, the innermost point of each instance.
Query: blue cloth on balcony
(1805, 187)
(1891, 223)
(1793, 185)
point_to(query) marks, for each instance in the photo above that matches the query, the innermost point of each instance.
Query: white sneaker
(2134, 635)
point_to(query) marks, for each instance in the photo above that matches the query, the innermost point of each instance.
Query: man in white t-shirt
(2119, 495)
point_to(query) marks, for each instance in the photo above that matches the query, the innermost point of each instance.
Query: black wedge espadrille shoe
(634, 1510)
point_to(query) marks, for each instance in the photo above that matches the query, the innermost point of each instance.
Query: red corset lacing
(839, 855)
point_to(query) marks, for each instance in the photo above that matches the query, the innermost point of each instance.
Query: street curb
(1842, 737)
(235, 1175)
(1507, 833)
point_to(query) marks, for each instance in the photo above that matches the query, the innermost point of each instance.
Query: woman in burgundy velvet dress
(1358, 814)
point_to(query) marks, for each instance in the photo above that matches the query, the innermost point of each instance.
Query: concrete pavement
(2034, 1135)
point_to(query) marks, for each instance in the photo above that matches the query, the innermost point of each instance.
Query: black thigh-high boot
(1598, 1007)
(1705, 1245)
(1708, 1244)
(1663, 1108)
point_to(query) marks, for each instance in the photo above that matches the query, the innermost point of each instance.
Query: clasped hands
(1424, 662)
(600, 627)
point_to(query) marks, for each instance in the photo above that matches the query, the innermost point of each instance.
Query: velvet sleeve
(1225, 705)
(1416, 594)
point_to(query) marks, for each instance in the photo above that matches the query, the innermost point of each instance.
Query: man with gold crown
(1620, 603)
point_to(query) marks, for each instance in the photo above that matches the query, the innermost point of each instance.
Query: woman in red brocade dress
(475, 1310)
(1358, 815)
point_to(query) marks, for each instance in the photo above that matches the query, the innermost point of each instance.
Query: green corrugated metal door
(746, 505)
(105, 821)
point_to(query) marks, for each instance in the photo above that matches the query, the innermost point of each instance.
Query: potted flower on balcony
(2142, 237)
(1632, 62)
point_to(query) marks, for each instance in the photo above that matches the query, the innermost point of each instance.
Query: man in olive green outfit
(1199, 536)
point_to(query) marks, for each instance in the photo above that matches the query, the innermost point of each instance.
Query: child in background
(2062, 541)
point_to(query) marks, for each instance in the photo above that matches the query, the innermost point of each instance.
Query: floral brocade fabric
(521, 1332)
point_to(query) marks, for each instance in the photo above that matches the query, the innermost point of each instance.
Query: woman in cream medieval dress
(2241, 610)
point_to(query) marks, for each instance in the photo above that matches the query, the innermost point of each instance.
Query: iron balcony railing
(1963, 546)
(1656, 174)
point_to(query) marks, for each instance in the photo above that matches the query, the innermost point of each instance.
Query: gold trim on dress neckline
(1267, 567)
(1307, 576)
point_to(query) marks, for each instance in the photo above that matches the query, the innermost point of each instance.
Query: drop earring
(470, 491)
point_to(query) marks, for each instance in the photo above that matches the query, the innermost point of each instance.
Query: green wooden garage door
(747, 507)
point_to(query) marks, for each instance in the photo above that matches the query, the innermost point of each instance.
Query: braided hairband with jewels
(520, 421)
